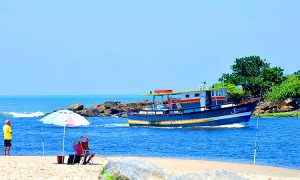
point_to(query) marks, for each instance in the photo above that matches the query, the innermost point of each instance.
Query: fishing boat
(191, 109)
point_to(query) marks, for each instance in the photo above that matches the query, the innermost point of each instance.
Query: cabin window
(187, 96)
(222, 92)
(217, 93)
(197, 95)
(212, 93)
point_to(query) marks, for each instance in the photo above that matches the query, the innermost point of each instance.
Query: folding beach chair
(81, 147)
(87, 153)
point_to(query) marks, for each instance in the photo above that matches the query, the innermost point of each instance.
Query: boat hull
(216, 117)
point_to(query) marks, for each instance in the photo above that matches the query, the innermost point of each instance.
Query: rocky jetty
(116, 108)
(290, 104)
(109, 108)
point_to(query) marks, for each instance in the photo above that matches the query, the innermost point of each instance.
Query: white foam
(114, 125)
(232, 126)
(25, 115)
(228, 126)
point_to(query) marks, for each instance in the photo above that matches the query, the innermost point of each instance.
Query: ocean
(278, 138)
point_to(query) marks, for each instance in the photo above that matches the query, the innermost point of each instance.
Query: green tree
(289, 88)
(253, 74)
(270, 77)
(297, 72)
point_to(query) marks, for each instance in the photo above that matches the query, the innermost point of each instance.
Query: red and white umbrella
(65, 118)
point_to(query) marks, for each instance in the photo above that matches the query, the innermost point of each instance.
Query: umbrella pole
(43, 141)
(63, 144)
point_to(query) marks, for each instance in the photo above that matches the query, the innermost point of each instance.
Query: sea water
(278, 138)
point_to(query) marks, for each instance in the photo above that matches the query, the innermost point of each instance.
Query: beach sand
(36, 167)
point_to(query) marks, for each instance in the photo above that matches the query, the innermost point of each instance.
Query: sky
(97, 47)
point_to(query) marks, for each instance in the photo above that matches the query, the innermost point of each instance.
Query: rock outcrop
(109, 108)
(116, 108)
(85, 112)
(289, 104)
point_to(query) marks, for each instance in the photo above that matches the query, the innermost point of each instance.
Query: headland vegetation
(251, 77)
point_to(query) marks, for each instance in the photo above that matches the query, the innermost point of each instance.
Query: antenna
(222, 75)
(204, 85)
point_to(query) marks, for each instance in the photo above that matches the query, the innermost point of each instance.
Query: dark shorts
(7, 143)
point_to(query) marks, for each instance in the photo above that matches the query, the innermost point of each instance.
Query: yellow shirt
(7, 132)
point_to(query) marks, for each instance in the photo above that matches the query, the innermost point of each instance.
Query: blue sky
(131, 47)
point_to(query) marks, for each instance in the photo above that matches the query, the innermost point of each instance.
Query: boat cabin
(208, 98)
(202, 98)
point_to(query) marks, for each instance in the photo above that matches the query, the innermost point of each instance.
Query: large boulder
(131, 170)
(111, 103)
(259, 111)
(287, 108)
(268, 111)
(138, 105)
(297, 102)
(267, 106)
(263, 107)
(97, 109)
(143, 170)
(76, 107)
(120, 107)
(111, 111)
(289, 101)
(86, 112)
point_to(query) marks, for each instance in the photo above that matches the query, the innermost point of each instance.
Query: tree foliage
(253, 74)
(234, 93)
(297, 72)
(289, 88)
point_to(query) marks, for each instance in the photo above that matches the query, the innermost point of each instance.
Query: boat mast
(171, 105)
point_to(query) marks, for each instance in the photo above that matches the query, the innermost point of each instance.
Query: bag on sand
(73, 159)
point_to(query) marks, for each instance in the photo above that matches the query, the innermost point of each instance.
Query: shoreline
(38, 167)
(292, 114)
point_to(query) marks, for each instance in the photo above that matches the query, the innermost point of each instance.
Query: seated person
(78, 148)
(83, 140)
(79, 153)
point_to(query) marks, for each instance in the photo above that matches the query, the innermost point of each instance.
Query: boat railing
(180, 111)
(165, 111)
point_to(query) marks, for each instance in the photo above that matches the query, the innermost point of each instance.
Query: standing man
(7, 137)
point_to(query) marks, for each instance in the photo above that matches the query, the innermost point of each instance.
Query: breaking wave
(21, 115)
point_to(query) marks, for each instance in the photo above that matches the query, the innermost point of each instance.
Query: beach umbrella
(64, 118)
